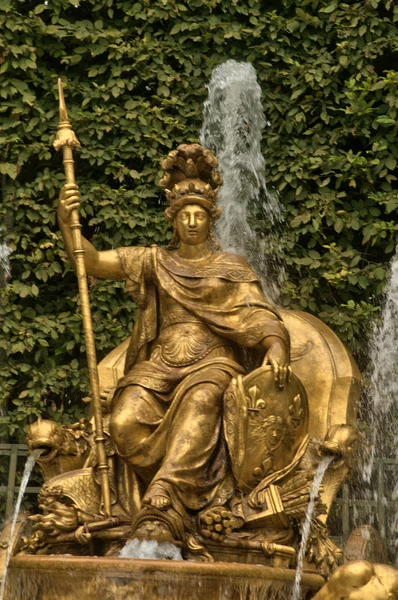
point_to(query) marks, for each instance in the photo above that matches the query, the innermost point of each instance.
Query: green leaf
(338, 225)
(8, 169)
(363, 282)
(163, 90)
(328, 9)
(390, 163)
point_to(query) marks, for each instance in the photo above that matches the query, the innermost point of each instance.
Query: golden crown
(191, 177)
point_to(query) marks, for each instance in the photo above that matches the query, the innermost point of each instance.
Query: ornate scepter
(67, 140)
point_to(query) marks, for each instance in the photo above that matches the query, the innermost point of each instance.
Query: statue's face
(274, 433)
(193, 224)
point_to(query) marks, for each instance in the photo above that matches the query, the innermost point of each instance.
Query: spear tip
(65, 134)
(63, 115)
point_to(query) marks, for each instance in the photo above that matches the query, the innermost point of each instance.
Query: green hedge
(134, 77)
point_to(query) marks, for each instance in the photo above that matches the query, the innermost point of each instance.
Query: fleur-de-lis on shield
(254, 404)
(296, 412)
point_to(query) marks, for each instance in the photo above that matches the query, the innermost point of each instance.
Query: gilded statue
(216, 414)
(202, 318)
(213, 429)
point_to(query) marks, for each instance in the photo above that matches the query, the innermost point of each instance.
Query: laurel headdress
(191, 177)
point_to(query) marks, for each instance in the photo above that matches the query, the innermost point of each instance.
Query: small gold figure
(361, 580)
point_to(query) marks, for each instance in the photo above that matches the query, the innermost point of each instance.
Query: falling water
(233, 123)
(30, 463)
(5, 252)
(151, 550)
(306, 527)
(384, 372)
(383, 388)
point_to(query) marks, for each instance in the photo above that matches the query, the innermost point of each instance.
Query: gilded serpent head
(46, 436)
(343, 441)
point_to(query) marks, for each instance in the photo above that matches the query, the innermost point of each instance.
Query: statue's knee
(118, 430)
(207, 397)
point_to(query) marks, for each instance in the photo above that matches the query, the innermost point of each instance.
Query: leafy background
(135, 78)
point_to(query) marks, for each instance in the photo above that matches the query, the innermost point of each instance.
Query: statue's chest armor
(183, 344)
(184, 338)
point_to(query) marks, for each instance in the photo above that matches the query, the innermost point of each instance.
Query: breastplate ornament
(184, 344)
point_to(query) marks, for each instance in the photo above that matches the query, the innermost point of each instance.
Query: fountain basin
(85, 578)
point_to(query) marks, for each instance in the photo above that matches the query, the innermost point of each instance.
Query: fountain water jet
(384, 371)
(233, 123)
(306, 527)
(5, 252)
(30, 463)
(383, 388)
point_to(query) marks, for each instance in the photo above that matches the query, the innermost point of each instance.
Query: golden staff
(67, 140)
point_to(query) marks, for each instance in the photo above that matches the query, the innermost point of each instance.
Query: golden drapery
(221, 291)
(180, 406)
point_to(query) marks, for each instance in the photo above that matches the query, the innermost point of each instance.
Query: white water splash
(383, 393)
(150, 550)
(306, 527)
(384, 374)
(233, 123)
(30, 463)
(5, 252)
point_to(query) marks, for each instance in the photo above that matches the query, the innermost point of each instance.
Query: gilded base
(85, 578)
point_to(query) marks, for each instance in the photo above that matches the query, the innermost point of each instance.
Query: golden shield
(264, 425)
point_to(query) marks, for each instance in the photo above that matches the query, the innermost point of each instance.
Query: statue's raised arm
(98, 264)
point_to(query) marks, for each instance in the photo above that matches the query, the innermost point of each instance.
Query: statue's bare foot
(157, 497)
(217, 522)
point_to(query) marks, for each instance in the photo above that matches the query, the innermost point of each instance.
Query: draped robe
(221, 301)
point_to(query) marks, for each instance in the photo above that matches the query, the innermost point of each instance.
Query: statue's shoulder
(225, 265)
(135, 258)
(216, 257)
(230, 258)
(132, 251)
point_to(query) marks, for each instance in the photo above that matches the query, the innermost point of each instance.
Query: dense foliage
(135, 76)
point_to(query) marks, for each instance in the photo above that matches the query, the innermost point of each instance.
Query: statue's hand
(69, 199)
(106, 396)
(278, 357)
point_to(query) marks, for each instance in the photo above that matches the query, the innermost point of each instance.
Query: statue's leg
(194, 462)
(135, 415)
